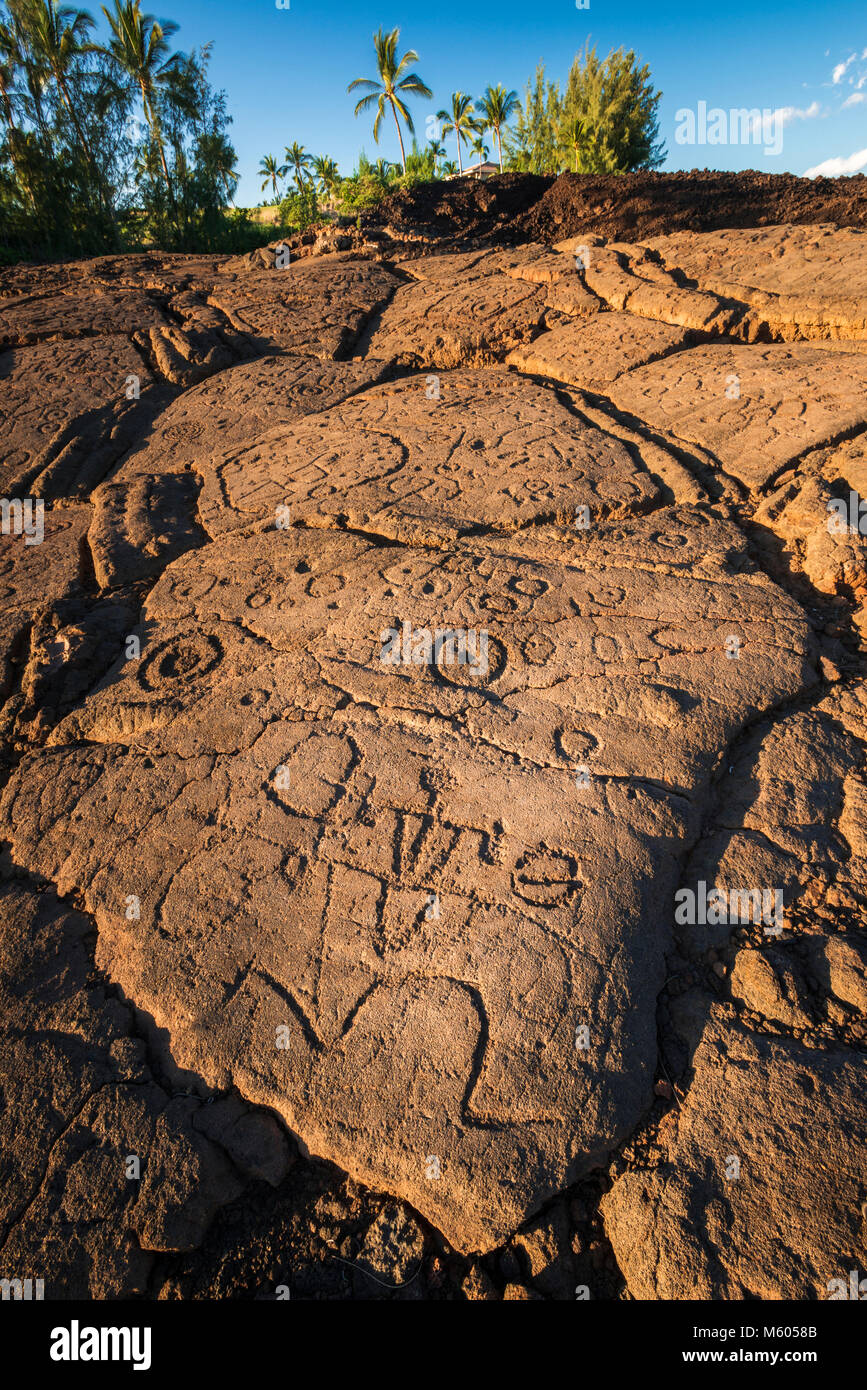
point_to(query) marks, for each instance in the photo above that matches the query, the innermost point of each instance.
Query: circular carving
(481, 668)
(181, 659)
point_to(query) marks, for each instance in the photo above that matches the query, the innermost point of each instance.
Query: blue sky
(286, 70)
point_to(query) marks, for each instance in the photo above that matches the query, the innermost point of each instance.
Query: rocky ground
(333, 965)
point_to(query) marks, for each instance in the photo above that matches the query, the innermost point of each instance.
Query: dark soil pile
(460, 209)
(513, 208)
(630, 206)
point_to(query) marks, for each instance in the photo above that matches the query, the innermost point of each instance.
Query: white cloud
(762, 125)
(854, 100)
(787, 114)
(840, 69)
(833, 168)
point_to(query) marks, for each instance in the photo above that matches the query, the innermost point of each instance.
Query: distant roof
(483, 168)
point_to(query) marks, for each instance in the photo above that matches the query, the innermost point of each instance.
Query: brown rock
(781, 1223)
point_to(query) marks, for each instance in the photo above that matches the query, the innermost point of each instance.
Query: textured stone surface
(62, 406)
(146, 514)
(36, 318)
(595, 353)
(791, 1222)
(755, 409)
(457, 317)
(312, 308)
(79, 1101)
(393, 776)
(800, 282)
(33, 575)
(427, 458)
(373, 905)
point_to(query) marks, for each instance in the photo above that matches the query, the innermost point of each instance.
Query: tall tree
(533, 146)
(298, 159)
(272, 171)
(393, 85)
(574, 134)
(618, 106)
(480, 149)
(326, 174)
(10, 64)
(460, 121)
(140, 48)
(59, 35)
(216, 156)
(497, 107)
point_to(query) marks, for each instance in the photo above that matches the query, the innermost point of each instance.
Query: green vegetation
(121, 144)
(604, 123)
(393, 85)
(461, 122)
(110, 146)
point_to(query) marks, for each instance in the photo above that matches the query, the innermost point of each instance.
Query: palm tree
(480, 149)
(448, 169)
(139, 46)
(462, 120)
(497, 107)
(298, 159)
(575, 136)
(272, 172)
(326, 174)
(10, 62)
(381, 172)
(437, 148)
(217, 153)
(394, 83)
(58, 35)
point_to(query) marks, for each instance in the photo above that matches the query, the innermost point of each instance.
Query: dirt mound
(629, 206)
(513, 208)
(461, 209)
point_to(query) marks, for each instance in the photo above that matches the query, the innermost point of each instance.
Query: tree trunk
(499, 146)
(13, 142)
(152, 121)
(399, 136)
(103, 192)
(460, 161)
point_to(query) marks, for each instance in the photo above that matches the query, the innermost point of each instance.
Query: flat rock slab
(755, 409)
(456, 317)
(76, 314)
(594, 353)
(427, 458)
(47, 389)
(79, 1101)
(801, 282)
(791, 1223)
(315, 309)
(378, 897)
(789, 814)
(629, 277)
(146, 514)
(34, 575)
